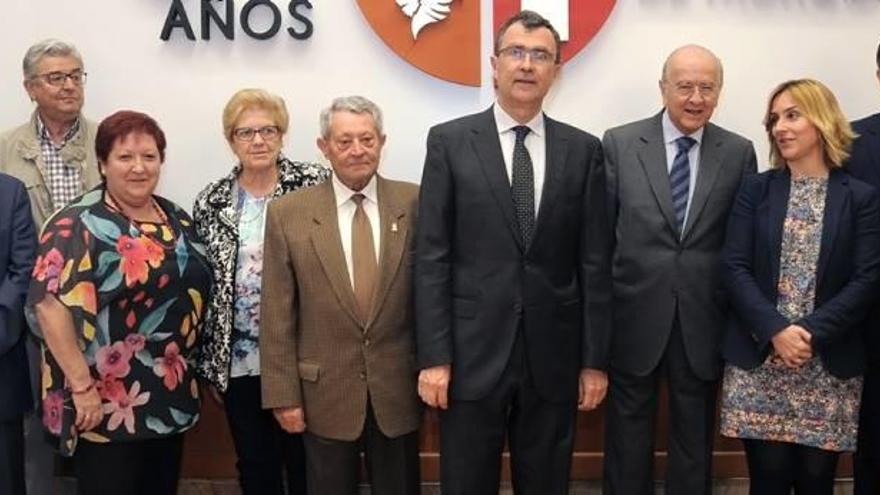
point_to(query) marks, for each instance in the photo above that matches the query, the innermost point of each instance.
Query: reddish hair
(122, 123)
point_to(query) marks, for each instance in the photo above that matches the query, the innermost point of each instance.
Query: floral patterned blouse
(136, 294)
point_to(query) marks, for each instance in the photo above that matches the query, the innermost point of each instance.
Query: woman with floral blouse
(230, 215)
(118, 291)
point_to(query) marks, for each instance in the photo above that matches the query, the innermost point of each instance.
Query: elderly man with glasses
(54, 155)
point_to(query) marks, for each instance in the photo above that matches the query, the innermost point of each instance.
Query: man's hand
(434, 385)
(592, 389)
(291, 419)
(793, 344)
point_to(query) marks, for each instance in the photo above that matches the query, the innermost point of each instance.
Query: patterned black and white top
(216, 216)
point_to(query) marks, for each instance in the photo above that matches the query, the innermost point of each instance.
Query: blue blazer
(864, 164)
(18, 244)
(847, 275)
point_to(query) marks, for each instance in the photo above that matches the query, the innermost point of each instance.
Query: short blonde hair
(250, 98)
(820, 107)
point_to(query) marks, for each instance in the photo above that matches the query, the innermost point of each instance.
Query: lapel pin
(393, 226)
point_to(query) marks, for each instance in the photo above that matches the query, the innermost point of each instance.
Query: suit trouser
(629, 427)
(866, 462)
(39, 445)
(332, 466)
(540, 436)
(261, 446)
(12, 456)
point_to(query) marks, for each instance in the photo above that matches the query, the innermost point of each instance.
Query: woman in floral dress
(801, 263)
(117, 291)
(230, 215)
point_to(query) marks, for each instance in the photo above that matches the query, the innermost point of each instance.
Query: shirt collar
(505, 123)
(343, 193)
(43, 132)
(671, 133)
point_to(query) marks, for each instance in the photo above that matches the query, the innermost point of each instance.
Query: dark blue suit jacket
(847, 275)
(18, 245)
(865, 165)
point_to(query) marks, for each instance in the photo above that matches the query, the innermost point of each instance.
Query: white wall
(185, 84)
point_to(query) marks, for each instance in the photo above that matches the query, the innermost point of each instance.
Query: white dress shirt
(670, 134)
(345, 208)
(535, 142)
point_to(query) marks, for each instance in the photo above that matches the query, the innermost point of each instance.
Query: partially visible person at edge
(230, 215)
(17, 245)
(117, 293)
(53, 154)
(864, 164)
(801, 264)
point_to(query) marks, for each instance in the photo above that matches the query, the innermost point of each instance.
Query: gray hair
(697, 48)
(353, 104)
(46, 48)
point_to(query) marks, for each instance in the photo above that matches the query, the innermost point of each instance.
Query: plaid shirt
(62, 180)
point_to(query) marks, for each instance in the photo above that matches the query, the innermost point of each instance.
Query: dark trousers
(777, 467)
(40, 446)
(146, 467)
(629, 427)
(540, 436)
(392, 463)
(866, 462)
(264, 450)
(12, 456)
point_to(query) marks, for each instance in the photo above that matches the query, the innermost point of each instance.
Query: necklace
(161, 231)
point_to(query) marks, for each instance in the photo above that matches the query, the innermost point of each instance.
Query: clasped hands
(794, 345)
(434, 387)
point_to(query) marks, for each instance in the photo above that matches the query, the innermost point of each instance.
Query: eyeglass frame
(251, 132)
(536, 55)
(77, 77)
(686, 89)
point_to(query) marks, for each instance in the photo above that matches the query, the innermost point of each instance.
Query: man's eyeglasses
(687, 89)
(519, 53)
(58, 79)
(247, 133)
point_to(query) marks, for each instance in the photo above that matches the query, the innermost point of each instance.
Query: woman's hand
(87, 405)
(793, 345)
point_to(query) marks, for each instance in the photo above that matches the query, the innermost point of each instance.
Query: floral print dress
(806, 406)
(135, 292)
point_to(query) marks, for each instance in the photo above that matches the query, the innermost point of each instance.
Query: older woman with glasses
(230, 215)
(117, 291)
(801, 263)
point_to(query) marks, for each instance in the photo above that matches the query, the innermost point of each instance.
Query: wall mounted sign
(442, 37)
(220, 15)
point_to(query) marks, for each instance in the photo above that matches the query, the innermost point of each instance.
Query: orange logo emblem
(442, 37)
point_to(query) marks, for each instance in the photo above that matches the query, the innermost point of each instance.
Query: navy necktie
(523, 186)
(680, 179)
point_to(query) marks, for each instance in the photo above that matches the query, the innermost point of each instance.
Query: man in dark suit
(18, 244)
(671, 180)
(336, 336)
(511, 234)
(864, 163)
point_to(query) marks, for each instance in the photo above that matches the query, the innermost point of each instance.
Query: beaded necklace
(153, 230)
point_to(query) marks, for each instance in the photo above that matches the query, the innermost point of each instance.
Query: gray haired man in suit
(671, 180)
(336, 337)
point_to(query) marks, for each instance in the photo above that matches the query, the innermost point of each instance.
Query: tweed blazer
(316, 353)
(216, 220)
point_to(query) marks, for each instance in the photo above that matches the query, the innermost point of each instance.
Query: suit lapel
(557, 148)
(777, 207)
(835, 202)
(653, 159)
(328, 247)
(393, 223)
(874, 143)
(707, 173)
(486, 142)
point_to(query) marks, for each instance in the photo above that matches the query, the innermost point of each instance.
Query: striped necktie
(680, 180)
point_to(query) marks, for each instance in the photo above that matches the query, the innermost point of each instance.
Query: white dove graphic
(424, 12)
